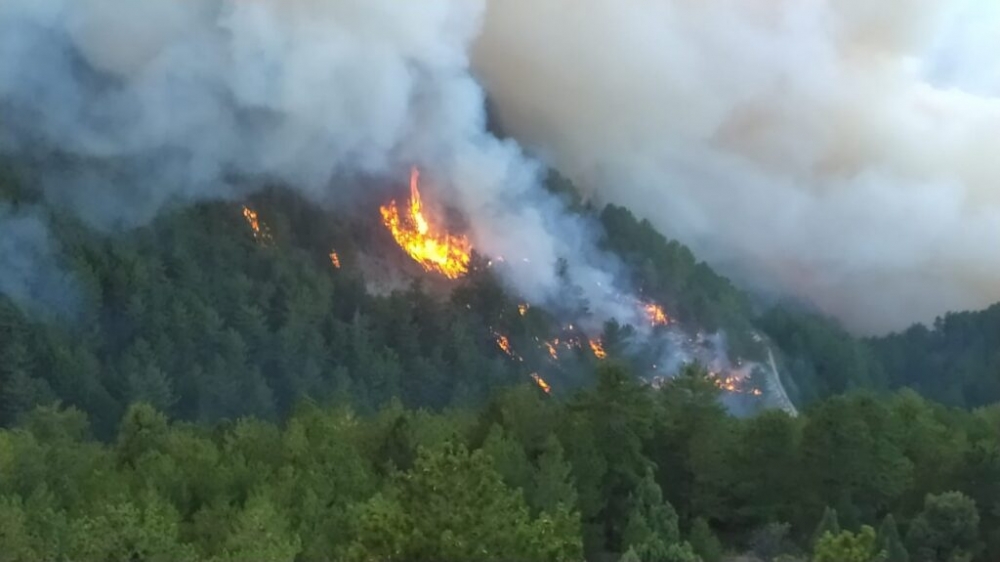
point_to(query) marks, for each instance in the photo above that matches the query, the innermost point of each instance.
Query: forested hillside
(616, 470)
(205, 391)
(205, 320)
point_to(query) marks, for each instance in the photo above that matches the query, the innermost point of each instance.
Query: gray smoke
(147, 105)
(840, 151)
(32, 275)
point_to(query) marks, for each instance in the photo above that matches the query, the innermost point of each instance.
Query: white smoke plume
(841, 151)
(160, 103)
(32, 275)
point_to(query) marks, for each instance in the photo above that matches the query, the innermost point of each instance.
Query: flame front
(598, 348)
(655, 314)
(433, 249)
(504, 344)
(260, 233)
(735, 384)
(551, 348)
(335, 259)
(541, 383)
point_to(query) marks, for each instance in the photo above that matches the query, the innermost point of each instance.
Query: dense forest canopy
(212, 392)
(616, 470)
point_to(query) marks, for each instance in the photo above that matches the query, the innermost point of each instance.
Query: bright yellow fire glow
(735, 384)
(260, 232)
(551, 348)
(598, 348)
(655, 314)
(504, 344)
(541, 383)
(433, 248)
(522, 308)
(335, 259)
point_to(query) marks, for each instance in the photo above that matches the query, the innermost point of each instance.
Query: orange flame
(598, 348)
(551, 347)
(655, 314)
(335, 259)
(504, 344)
(735, 384)
(433, 249)
(260, 234)
(541, 383)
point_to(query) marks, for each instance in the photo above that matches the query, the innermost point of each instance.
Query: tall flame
(433, 249)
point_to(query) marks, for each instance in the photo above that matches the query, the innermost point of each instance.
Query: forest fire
(541, 383)
(430, 246)
(551, 348)
(522, 309)
(598, 348)
(735, 384)
(335, 259)
(655, 314)
(503, 342)
(260, 233)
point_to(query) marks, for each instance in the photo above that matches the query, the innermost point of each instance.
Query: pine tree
(828, 524)
(889, 541)
(553, 481)
(704, 541)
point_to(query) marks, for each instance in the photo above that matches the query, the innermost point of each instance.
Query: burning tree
(428, 244)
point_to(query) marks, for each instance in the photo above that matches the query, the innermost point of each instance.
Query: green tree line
(620, 470)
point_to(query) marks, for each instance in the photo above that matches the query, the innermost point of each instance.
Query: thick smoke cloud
(841, 151)
(152, 104)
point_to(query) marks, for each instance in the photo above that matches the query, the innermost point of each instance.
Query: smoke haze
(160, 103)
(32, 276)
(844, 155)
(842, 152)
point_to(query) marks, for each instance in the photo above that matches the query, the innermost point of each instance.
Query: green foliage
(260, 532)
(848, 547)
(16, 542)
(249, 401)
(771, 541)
(526, 476)
(947, 530)
(704, 542)
(828, 524)
(454, 506)
(121, 530)
(955, 361)
(667, 271)
(553, 481)
(890, 542)
(822, 357)
(196, 318)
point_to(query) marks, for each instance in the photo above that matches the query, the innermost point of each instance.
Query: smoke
(147, 105)
(32, 277)
(842, 152)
